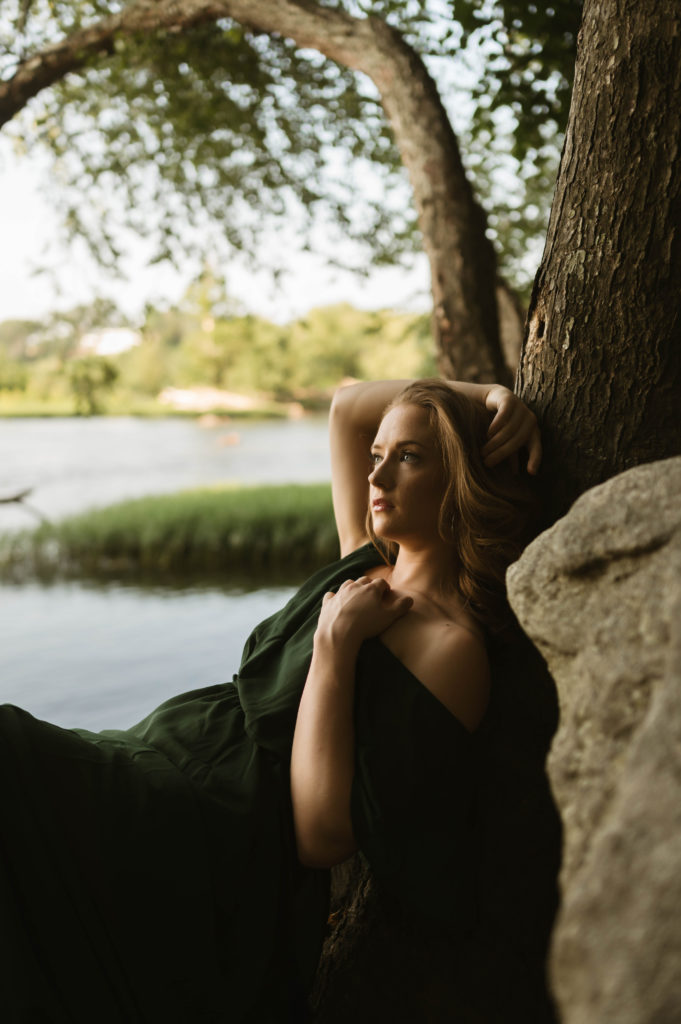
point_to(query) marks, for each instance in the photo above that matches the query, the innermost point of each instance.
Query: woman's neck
(426, 570)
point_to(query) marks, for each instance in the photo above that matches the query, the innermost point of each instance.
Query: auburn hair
(487, 515)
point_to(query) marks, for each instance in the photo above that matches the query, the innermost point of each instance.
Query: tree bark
(601, 361)
(453, 225)
(511, 323)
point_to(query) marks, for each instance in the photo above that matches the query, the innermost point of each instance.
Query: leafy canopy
(526, 56)
(207, 137)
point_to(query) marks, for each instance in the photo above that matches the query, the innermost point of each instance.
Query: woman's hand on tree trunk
(513, 427)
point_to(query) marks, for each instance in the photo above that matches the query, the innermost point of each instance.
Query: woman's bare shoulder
(444, 648)
(456, 670)
(450, 659)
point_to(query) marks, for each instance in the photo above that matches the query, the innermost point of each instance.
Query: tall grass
(285, 529)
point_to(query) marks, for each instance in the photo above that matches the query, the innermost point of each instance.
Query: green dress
(150, 874)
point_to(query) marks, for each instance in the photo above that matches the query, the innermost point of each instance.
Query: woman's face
(407, 482)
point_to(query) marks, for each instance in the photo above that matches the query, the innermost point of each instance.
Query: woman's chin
(383, 532)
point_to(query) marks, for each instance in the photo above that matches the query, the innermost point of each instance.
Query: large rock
(600, 595)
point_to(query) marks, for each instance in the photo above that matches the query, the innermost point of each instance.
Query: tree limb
(453, 225)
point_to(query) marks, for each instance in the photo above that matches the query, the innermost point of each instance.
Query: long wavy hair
(487, 516)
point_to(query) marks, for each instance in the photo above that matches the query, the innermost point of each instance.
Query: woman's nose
(379, 476)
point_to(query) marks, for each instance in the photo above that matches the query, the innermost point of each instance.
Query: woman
(414, 604)
(175, 871)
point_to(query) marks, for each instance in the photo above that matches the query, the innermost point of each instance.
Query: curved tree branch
(453, 225)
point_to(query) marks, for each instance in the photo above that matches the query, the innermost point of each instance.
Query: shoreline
(203, 533)
(176, 403)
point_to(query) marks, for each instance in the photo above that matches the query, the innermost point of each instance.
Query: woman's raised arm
(355, 415)
(353, 421)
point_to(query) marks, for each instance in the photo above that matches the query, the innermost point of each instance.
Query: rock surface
(600, 596)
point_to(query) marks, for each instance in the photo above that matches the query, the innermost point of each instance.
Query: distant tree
(13, 374)
(90, 378)
(60, 333)
(146, 368)
(18, 338)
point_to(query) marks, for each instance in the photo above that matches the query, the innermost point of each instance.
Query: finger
(502, 439)
(401, 606)
(508, 407)
(518, 429)
(393, 599)
(501, 417)
(327, 597)
(505, 443)
(381, 584)
(499, 454)
(517, 420)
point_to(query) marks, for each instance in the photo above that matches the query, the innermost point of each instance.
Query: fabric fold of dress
(150, 874)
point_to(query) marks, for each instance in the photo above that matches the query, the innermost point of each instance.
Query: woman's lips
(381, 505)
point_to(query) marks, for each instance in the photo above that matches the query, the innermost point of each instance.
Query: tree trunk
(453, 225)
(601, 361)
(511, 323)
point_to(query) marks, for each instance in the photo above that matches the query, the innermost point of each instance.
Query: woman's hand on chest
(360, 609)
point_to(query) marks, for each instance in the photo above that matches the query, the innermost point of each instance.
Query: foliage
(90, 377)
(16, 337)
(13, 375)
(13, 352)
(530, 67)
(226, 130)
(205, 340)
(241, 128)
(525, 54)
(248, 353)
(207, 532)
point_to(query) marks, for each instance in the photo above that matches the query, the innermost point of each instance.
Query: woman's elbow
(315, 851)
(343, 402)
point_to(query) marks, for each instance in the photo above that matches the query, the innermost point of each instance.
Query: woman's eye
(374, 458)
(409, 456)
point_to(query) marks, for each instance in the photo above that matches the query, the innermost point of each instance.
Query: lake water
(73, 464)
(102, 656)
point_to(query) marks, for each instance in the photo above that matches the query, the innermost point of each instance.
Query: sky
(29, 229)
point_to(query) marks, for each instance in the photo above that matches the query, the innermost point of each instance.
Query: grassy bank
(20, 406)
(202, 533)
